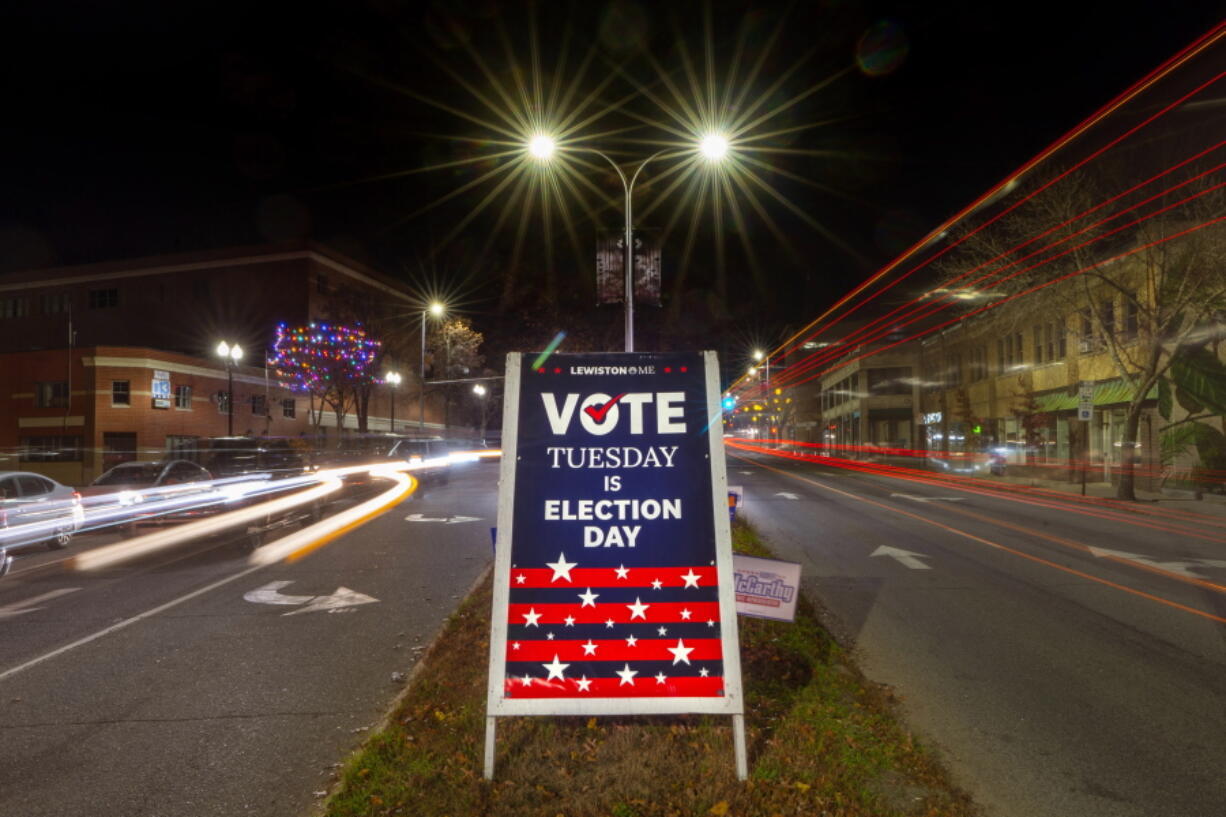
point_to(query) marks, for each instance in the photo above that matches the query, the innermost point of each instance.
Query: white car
(34, 509)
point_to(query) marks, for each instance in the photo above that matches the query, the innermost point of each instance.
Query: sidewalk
(1211, 504)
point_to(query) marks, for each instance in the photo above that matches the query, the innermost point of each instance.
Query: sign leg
(489, 748)
(738, 747)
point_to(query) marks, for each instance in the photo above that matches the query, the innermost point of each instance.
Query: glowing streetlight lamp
(231, 354)
(436, 309)
(712, 146)
(541, 146)
(392, 379)
(479, 390)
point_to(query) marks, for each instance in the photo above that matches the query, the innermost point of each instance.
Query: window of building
(1086, 344)
(258, 405)
(1038, 344)
(1050, 337)
(1019, 350)
(289, 408)
(14, 307)
(183, 397)
(1108, 318)
(51, 449)
(51, 395)
(55, 303)
(954, 369)
(1008, 352)
(183, 447)
(1061, 339)
(979, 363)
(1132, 317)
(1000, 356)
(223, 402)
(121, 393)
(103, 298)
(321, 284)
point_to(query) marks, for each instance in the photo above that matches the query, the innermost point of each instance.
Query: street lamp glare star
(437, 309)
(541, 146)
(714, 146)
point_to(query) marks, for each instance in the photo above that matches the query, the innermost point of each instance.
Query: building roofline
(211, 259)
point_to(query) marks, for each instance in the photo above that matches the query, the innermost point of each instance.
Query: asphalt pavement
(1057, 681)
(193, 683)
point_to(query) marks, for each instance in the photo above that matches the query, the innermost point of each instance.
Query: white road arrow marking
(268, 595)
(1181, 568)
(342, 598)
(915, 498)
(905, 557)
(786, 495)
(28, 606)
(446, 520)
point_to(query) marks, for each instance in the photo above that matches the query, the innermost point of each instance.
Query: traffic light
(729, 403)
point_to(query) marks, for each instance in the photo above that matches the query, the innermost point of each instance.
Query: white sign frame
(731, 703)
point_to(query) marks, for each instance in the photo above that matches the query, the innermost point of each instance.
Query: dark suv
(235, 456)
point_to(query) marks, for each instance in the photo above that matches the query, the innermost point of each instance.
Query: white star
(526, 680)
(589, 648)
(561, 568)
(691, 578)
(661, 678)
(704, 672)
(680, 652)
(685, 615)
(656, 584)
(622, 572)
(662, 631)
(589, 598)
(530, 617)
(638, 610)
(626, 675)
(583, 683)
(570, 621)
(608, 624)
(549, 636)
(631, 641)
(556, 668)
(710, 622)
(515, 646)
(521, 578)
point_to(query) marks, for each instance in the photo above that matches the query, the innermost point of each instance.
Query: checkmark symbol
(598, 414)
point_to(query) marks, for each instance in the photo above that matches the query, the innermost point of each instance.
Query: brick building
(109, 361)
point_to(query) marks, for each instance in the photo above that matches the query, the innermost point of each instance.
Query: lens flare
(541, 146)
(714, 146)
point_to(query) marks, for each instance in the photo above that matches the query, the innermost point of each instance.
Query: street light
(232, 354)
(758, 354)
(437, 310)
(392, 379)
(479, 390)
(713, 146)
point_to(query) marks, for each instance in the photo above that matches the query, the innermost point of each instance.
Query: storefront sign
(613, 579)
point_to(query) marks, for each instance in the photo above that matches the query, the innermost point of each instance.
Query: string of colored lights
(319, 356)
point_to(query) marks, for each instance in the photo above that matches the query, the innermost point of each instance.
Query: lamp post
(437, 310)
(759, 355)
(231, 354)
(392, 379)
(713, 146)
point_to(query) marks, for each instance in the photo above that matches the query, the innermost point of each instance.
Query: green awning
(1106, 393)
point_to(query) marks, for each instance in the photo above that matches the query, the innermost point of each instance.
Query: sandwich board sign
(613, 578)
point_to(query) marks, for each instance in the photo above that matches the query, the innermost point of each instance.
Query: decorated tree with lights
(331, 363)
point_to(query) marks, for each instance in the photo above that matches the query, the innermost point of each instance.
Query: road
(1057, 681)
(172, 687)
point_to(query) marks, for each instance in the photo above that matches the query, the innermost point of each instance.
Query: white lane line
(126, 622)
(27, 606)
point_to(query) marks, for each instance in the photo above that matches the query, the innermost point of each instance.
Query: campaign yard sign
(613, 580)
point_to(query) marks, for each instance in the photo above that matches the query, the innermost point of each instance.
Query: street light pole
(392, 379)
(232, 354)
(435, 309)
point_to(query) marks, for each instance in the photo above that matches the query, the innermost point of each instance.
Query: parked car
(234, 456)
(131, 484)
(51, 510)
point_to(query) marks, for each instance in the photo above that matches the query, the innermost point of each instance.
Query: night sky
(167, 127)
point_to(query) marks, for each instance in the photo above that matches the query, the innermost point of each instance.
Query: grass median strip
(822, 741)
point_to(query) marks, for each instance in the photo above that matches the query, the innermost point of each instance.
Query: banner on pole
(611, 269)
(613, 584)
